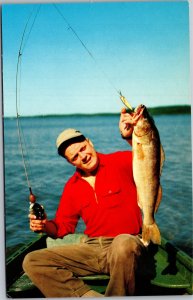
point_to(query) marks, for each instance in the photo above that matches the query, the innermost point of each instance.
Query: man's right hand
(37, 225)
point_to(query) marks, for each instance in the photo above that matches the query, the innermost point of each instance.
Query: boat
(167, 270)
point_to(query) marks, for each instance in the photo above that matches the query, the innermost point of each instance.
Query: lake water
(48, 172)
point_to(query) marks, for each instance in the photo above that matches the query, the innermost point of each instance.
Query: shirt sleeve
(67, 214)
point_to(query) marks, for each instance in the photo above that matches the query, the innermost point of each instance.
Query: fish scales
(148, 157)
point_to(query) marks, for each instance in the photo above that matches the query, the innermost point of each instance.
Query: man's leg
(122, 261)
(55, 270)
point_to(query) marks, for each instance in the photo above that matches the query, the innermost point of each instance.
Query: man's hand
(126, 124)
(37, 225)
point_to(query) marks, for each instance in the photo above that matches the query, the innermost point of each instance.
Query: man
(103, 193)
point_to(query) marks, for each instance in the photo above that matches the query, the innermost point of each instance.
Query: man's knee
(26, 262)
(127, 245)
(29, 260)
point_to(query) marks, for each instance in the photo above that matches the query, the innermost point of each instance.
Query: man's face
(83, 156)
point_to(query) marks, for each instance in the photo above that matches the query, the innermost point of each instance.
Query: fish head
(139, 110)
(143, 120)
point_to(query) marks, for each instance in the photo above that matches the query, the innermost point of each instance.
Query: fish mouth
(139, 110)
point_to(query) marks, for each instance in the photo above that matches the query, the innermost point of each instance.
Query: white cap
(67, 135)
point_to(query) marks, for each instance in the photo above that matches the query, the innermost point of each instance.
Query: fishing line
(23, 43)
(24, 40)
(86, 48)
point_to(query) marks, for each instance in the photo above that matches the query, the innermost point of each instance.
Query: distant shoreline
(159, 110)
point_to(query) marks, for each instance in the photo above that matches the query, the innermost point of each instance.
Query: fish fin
(151, 233)
(145, 243)
(139, 151)
(159, 197)
(162, 158)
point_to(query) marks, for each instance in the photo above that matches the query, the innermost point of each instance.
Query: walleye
(148, 158)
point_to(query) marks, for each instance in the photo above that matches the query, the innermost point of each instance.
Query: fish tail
(151, 233)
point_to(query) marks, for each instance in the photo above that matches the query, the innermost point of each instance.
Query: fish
(148, 159)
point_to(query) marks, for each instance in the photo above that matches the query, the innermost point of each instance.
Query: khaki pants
(55, 270)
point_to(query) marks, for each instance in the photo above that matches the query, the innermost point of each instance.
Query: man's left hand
(126, 124)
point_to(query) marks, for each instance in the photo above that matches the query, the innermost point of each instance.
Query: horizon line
(169, 109)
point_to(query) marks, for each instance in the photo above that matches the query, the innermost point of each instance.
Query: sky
(76, 57)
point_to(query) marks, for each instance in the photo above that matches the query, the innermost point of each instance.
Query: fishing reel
(35, 208)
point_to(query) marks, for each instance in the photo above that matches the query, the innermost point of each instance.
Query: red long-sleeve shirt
(107, 210)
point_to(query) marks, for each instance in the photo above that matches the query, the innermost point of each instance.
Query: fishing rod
(35, 208)
(23, 43)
